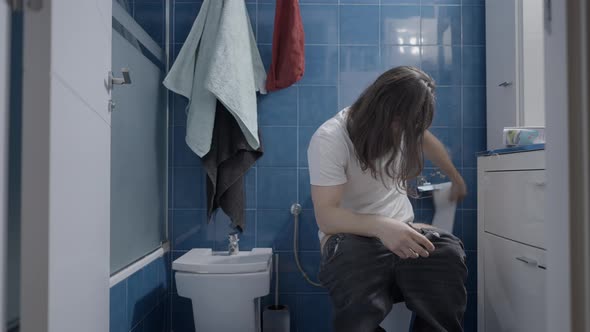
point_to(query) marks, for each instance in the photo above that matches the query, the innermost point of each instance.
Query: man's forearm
(335, 220)
(435, 151)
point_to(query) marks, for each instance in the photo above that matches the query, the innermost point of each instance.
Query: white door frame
(4, 101)
(568, 166)
(578, 71)
(65, 220)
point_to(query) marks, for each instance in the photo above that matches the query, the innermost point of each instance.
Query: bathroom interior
(139, 253)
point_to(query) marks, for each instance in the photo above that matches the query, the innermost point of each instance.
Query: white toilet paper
(444, 208)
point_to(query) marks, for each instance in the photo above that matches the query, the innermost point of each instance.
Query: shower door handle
(120, 81)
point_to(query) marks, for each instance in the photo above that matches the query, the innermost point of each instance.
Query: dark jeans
(365, 279)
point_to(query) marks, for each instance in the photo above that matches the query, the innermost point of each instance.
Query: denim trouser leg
(365, 279)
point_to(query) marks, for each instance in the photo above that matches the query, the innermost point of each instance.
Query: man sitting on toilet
(373, 255)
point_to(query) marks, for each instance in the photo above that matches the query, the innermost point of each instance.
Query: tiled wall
(141, 303)
(349, 42)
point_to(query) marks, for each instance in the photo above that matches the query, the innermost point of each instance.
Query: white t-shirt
(332, 161)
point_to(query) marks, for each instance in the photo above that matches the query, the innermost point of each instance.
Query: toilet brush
(276, 317)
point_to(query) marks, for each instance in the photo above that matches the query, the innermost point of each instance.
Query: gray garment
(365, 279)
(226, 164)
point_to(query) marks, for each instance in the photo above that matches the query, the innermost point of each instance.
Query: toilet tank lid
(207, 261)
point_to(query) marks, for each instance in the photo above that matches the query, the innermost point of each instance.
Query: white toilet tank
(224, 289)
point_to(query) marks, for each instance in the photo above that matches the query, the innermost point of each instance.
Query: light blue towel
(219, 61)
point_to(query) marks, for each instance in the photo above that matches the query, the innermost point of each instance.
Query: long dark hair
(387, 122)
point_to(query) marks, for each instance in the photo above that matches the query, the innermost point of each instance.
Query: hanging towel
(288, 50)
(219, 61)
(226, 164)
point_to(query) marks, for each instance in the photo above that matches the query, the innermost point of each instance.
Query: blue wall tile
(474, 32)
(184, 16)
(140, 302)
(359, 67)
(448, 107)
(291, 278)
(474, 65)
(474, 107)
(317, 104)
(163, 271)
(266, 20)
(118, 308)
(278, 108)
(276, 189)
(275, 229)
(393, 56)
(178, 104)
(359, 25)
(265, 51)
(305, 134)
(458, 226)
(353, 84)
(443, 63)
(305, 189)
(400, 2)
(354, 59)
(251, 7)
(320, 23)
(400, 25)
(474, 141)
(280, 146)
(470, 229)
(441, 2)
(189, 188)
(321, 65)
(470, 177)
(250, 185)
(136, 304)
(191, 230)
(182, 153)
(359, 2)
(441, 25)
(151, 286)
(308, 232)
(150, 15)
(452, 141)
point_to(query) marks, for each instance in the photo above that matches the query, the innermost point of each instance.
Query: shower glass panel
(138, 143)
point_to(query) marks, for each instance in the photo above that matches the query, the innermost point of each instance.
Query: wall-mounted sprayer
(296, 211)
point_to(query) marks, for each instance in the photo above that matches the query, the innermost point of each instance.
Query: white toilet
(223, 288)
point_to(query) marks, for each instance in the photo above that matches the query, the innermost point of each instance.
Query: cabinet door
(501, 63)
(513, 204)
(514, 286)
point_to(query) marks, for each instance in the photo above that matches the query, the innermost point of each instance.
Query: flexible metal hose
(296, 211)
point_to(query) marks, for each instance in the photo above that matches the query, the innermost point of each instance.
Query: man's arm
(435, 151)
(395, 235)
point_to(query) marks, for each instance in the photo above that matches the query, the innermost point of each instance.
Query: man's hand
(458, 190)
(403, 240)
(436, 152)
